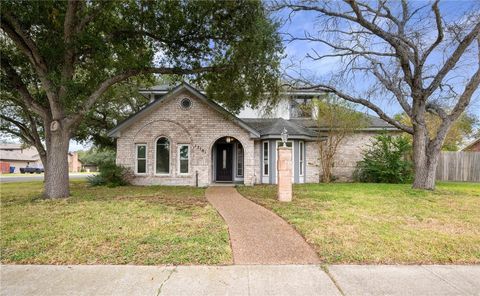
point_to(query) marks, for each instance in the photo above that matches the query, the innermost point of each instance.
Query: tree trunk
(56, 179)
(425, 159)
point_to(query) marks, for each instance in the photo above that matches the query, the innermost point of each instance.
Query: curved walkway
(257, 235)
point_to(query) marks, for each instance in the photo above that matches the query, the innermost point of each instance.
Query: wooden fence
(459, 166)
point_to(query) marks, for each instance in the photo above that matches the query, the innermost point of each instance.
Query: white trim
(169, 157)
(136, 159)
(301, 154)
(263, 158)
(237, 146)
(179, 146)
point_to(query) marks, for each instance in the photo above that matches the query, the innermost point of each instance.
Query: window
(265, 159)
(141, 166)
(186, 103)
(301, 158)
(162, 157)
(239, 160)
(183, 159)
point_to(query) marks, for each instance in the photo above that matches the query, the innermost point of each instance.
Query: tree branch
(27, 46)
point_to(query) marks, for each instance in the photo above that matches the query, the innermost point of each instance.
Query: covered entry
(227, 160)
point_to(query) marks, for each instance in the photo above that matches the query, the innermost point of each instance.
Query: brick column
(284, 173)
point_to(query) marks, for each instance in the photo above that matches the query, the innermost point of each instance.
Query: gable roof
(18, 152)
(184, 86)
(471, 145)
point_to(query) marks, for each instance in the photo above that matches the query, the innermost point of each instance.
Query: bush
(386, 161)
(111, 175)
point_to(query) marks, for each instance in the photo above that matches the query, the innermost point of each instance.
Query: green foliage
(386, 161)
(97, 156)
(236, 44)
(111, 175)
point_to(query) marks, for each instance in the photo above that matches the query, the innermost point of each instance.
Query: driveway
(36, 177)
(239, 280)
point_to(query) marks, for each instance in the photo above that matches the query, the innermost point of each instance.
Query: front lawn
(100, 225)
(383, 223)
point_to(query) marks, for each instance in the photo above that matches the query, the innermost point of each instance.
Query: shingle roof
(274, 127)
(375, 123)
(16, 152)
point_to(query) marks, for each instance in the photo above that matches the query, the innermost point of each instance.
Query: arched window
(162, 162)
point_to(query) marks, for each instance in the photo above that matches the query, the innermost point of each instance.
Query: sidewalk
(257, 235)
(239, 280)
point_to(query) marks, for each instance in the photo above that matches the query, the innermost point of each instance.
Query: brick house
(183, 138)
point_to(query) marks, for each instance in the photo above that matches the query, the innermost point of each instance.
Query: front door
(224, 162)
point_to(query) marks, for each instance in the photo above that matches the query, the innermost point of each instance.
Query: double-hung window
(141, 155)
(183, 159)
(301, 159)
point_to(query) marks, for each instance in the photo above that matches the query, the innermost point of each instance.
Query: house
(473, 146)
(74, 164)
(183, 138)
(18, 156)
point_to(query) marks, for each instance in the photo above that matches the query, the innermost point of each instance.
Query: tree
(406, 52)
(59, 57)
(335, 120)
(462, 129)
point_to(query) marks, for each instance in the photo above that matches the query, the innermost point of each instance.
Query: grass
(383, 223)
(100, 225)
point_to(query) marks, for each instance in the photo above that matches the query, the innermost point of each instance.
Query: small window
(186, 103)
(141, 165)
(301, 157)
(162, 161)
(239, 160)
(265, 158)
(183, 159)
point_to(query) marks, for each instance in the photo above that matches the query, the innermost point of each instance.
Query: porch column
(284, 173)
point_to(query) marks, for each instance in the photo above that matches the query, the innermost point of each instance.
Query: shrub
(111, 175)
(386, 161)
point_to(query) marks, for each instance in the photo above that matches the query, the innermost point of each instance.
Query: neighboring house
(16, 155)
(183, 138)
(74, 164)
(474, 146)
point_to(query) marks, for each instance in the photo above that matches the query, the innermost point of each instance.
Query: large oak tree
(408, 52)
(59, 57)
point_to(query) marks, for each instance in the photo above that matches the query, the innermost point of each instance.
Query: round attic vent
(186, 103)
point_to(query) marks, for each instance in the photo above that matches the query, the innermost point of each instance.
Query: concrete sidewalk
(239, 280)
(257, 235)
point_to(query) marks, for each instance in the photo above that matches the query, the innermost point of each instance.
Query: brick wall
(200, 126)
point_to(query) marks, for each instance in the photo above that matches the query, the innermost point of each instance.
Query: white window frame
(169, 158)
(263, 158)
(301, 158)
(136, 159)
(238, 147)
(188, 159)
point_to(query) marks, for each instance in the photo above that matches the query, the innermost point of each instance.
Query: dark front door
(224, 162)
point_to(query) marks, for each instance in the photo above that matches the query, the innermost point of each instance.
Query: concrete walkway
(261, 280)
(257, 235)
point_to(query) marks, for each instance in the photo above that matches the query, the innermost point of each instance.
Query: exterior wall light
(284, 136)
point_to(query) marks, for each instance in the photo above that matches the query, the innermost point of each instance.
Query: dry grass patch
(383, 223)
(100, 225)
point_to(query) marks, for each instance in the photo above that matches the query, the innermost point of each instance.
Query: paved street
(35, 177)
(240, 280)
